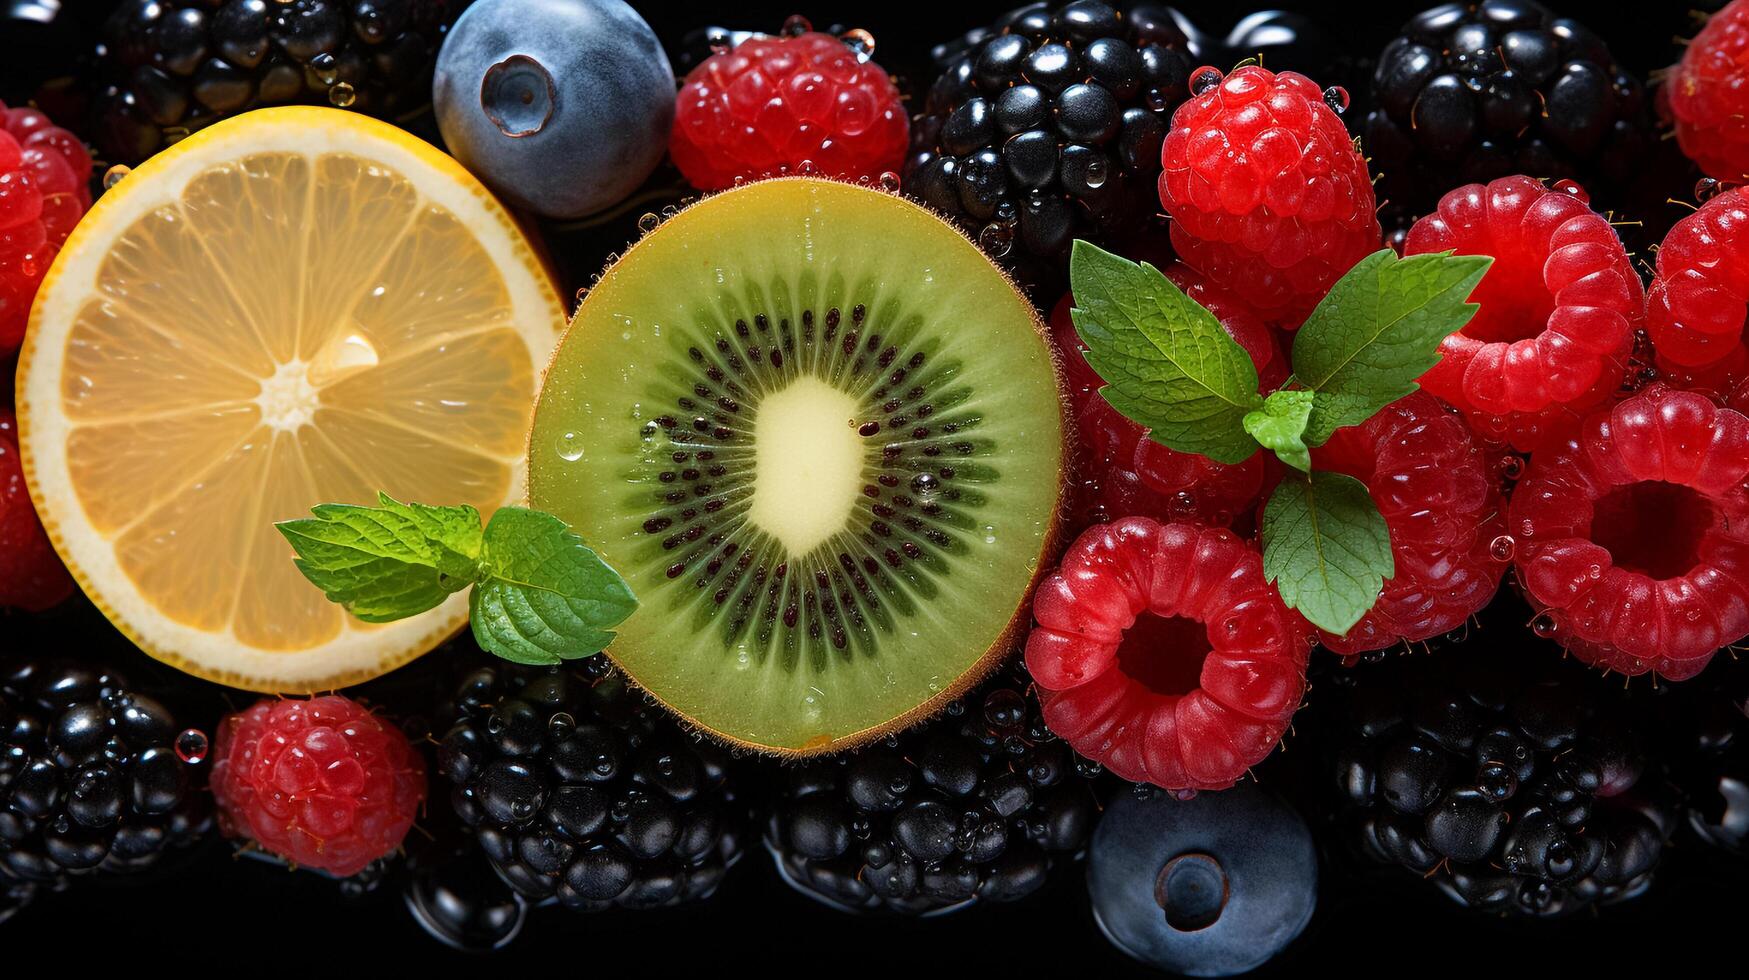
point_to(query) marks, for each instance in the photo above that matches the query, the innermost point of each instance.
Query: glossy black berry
(89, 777)
(577, 790)
(1517, 786)
(169, 67)
(1021, 108)
(975, 805)
(1471, 92)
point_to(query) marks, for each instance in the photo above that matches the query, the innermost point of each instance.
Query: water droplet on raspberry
(342, 95)
(648, 222)
(192, 746)
(1510, 466)
(796, 25)
(1336, 97)
(1573, 189)
(720, 41)
(1707, 188)
(1205, 78)
(996, 238)
(1183, 503)
(1545, 626)
(889, 182)
(859, 41)
(1502, 547)
(113, 175)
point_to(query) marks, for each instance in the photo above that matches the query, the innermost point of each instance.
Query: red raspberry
(1633, 539)
(1435, 488)
(322, 783)
(31, 574)
(43, 193)
(802, 104)
(1124, 474)
(1268, 197)
(1559, 308)
(1189, 697)
(1695, 308)
(1706, 95)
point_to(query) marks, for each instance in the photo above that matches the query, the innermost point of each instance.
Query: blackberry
(1470, 92)
(174, 66)
(1046, 126)
(90, 778)
(1511, 779)
(577, 789)
(1705, 724)
(975, 805)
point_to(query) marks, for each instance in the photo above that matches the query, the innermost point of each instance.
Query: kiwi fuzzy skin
(1051, 545)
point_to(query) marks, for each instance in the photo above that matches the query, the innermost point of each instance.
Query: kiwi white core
(807, 464)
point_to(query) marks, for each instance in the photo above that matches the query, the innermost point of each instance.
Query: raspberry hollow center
(1514, 304)
(1653, 528)
(1164, 653)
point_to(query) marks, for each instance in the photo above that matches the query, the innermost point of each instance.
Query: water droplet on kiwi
(571, 447)
(648, 222)
(996, 239)
(889, 182)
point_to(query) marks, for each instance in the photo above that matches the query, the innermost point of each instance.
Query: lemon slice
(294, 306)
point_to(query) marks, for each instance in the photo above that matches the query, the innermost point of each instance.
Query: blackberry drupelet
(174, 66)
(90, 778)
(1705, 725)
(1470, 92)
(1046, 126)
(577, 789)
(1511, 779)
(978, 804)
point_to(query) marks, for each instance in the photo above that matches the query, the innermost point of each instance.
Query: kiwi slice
(820, 435)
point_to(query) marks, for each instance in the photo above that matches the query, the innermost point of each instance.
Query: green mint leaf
(1280, 426)
(1326, 548)
(546, 596)
(387, 563)
(1378, 330)
(1167, 362)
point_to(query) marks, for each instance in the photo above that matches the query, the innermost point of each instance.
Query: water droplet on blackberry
(192, 746)
(342, 94)
(325, 68)
(561, 724)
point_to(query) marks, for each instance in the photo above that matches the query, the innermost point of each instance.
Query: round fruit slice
(291, 307)
(820, 436)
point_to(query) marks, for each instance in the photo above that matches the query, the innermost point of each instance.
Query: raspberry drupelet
(1433, 486)
(323, 783)
(43, 193)
(803, 103)
(1633, 537)
(1162, 653)
(1558, 309)
(1123, 473)
(31, 574)
(1267, 195)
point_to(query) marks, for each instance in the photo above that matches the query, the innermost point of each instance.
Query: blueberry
(562, 106)
(1212, 886)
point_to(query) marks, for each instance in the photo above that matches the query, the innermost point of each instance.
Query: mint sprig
(1170, 367)
(1167, 362)
(540, 595)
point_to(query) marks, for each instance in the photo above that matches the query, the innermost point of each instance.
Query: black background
(212, 910)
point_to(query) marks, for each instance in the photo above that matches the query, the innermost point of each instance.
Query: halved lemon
(294, 306)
